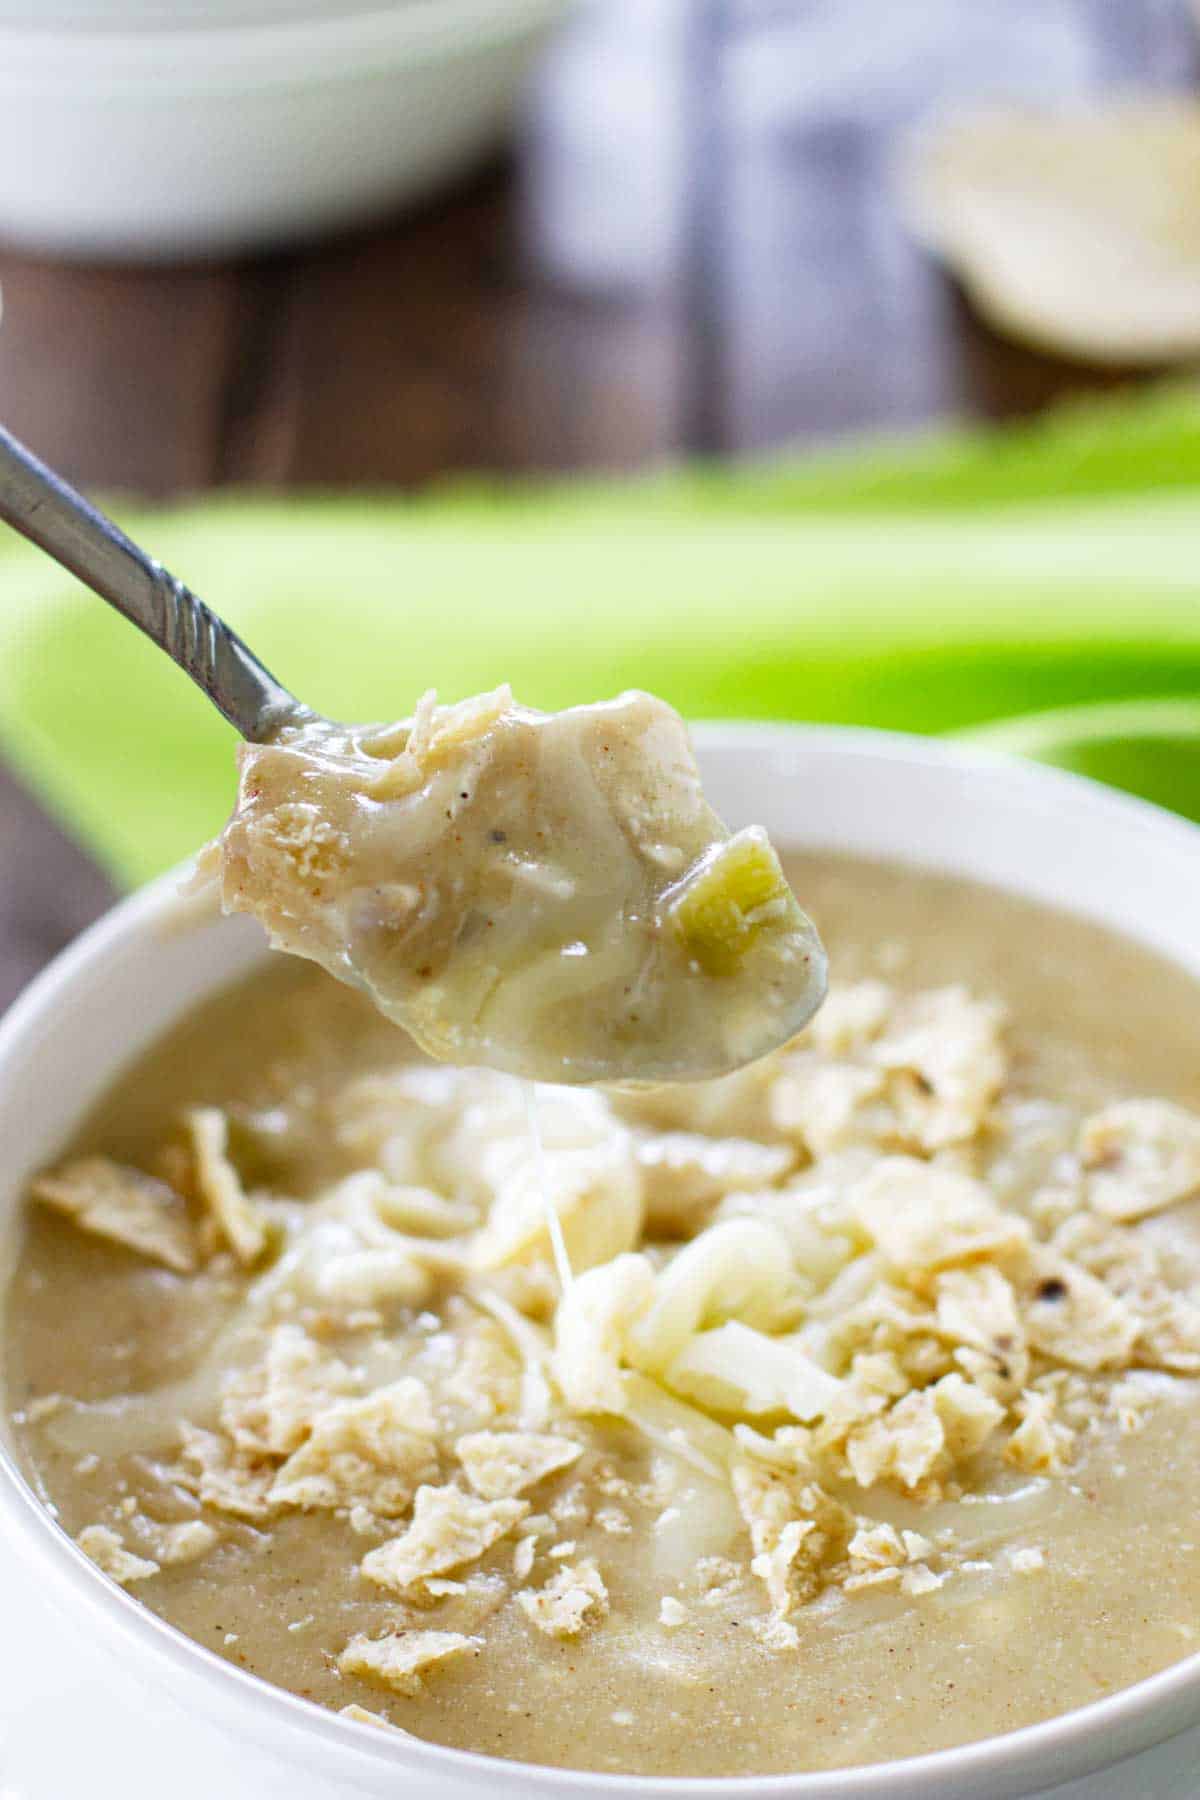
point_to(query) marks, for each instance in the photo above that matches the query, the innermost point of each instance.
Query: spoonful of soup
(546, 893)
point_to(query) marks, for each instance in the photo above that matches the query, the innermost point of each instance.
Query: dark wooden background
(693, 248)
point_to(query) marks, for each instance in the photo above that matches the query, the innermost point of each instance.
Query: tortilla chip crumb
(561, 1607)
(362, 1715)
(1041, 1444)
(184, 1542)
(919, 1580)
(774, 1633)
(876, 1547)
(400, 1659)
(107, 1550)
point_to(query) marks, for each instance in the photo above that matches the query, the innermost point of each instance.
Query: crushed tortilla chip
(184, 1542)
(945, 1053)
(399, 1660)
(114, 1201)
(219, 1185)
(1139, 1156)
(977, 1310)
(448, 1528)
(270, 1408)
(920, 1579)
(876, 1547)
(685, 1174)
(1041, 1444)
(222, 1477)
(852, 1017)
(110, 1556)
(1073, 1317)
(500, 1464)
(561, 1607)
(924, 1432)
(829, 1105)
(374, 1451)
(926, 1217)
(796, 1529)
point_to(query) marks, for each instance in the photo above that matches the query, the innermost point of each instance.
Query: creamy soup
(842, 1409)
(546, 893)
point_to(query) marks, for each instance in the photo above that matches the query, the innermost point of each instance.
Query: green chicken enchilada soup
(838, 1410)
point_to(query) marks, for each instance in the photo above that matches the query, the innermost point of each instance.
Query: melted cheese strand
(558, 1243)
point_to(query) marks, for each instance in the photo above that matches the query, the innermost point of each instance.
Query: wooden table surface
(692, 249)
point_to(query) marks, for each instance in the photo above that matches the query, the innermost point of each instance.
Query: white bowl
(93, 1685)
(201, 139)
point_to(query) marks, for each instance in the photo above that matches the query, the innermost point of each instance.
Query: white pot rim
(102, 18)
(1073, 1745)
(98, 61)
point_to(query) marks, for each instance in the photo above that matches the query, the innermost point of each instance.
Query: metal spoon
(47, 510)
(727, 1023)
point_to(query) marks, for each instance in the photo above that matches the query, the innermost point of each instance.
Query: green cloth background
(934, 586)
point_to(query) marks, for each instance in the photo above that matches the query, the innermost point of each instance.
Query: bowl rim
(1067, 1746)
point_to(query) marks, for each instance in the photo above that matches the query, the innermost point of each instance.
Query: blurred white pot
(186, 139)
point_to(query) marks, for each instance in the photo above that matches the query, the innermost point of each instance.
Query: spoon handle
(44, 508)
